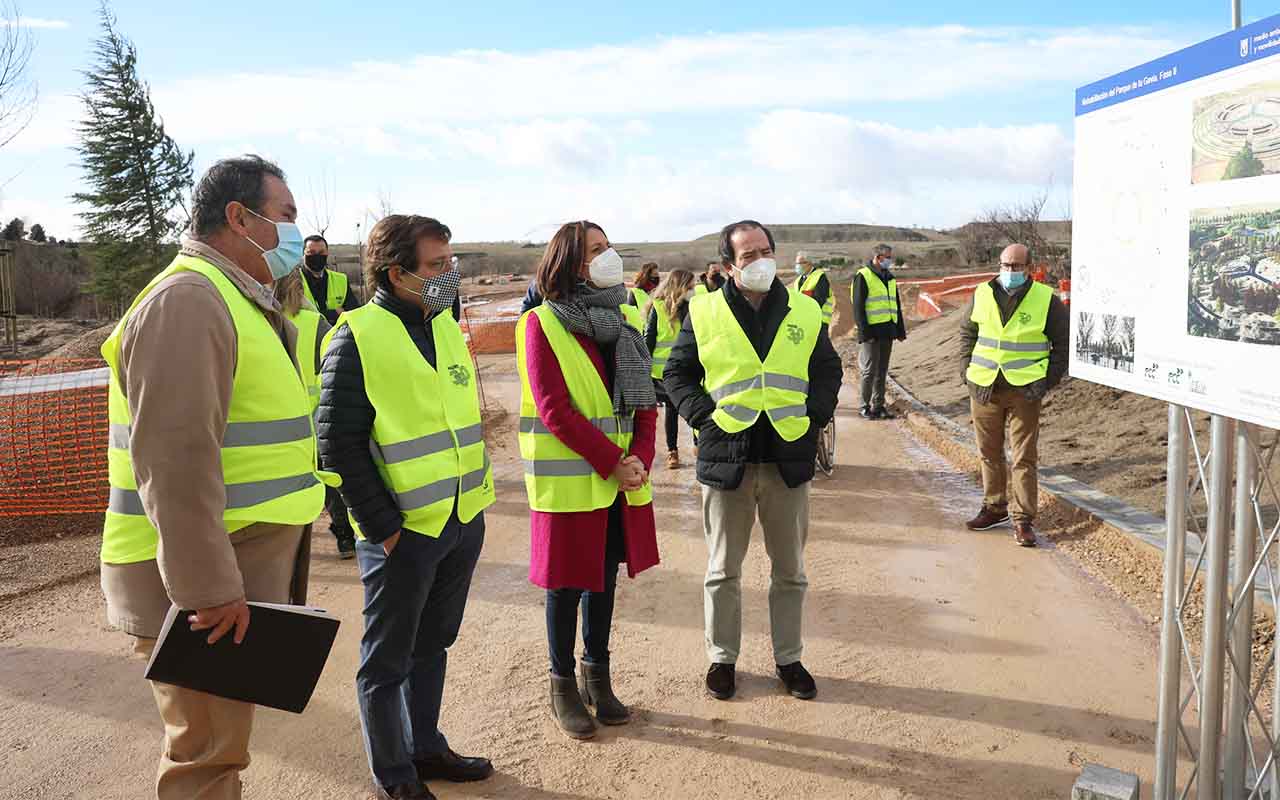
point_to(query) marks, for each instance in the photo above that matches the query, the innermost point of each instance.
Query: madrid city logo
(1024, 317)
(795, 333)
(460, 374)
(1244, 47)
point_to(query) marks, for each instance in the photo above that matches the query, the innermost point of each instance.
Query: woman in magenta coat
(575, 555)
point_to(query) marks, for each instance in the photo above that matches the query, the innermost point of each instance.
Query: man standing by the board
(1014, 343)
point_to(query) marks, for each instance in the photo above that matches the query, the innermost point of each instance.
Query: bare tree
(977, 241)
(1084, 331)
(1109, 343)
(1019, 222)
(18, 92)
(320, 213)
(1128, 326)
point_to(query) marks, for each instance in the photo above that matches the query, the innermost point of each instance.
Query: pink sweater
(567, 548)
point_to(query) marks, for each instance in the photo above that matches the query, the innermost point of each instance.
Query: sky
(660, 120)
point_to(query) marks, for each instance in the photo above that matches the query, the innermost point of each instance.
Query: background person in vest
(312, 328)
(397, 374)
(328, 290)
(1014, 345)
(202, 346)
(711, 280)
(646, 281)
(587, 423)
(877, 314)
(756, 446)
(664, 317)
(814, 283)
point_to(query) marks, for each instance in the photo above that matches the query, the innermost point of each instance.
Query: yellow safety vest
(882, 300)
(335, 291)
(307, 321)
(666, 339)
(641, 297)
(632, 316)
(810, 282)
(700, 288)
(428, 439)
(269, 447)
(743, 386)
(1019, 349)
(556, 477)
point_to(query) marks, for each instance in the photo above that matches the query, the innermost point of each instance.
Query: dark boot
(597, 691)
(567, 708)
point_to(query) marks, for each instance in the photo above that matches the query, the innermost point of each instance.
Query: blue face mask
(1012, 280)
(287, 253)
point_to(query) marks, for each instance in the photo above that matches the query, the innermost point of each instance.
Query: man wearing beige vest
(176, 357)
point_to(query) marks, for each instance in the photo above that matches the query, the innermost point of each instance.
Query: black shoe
(346, 547)
(721, 682)
(402, 791)
(798, 681)
(883, 413)
(867, 413)
(449, 766)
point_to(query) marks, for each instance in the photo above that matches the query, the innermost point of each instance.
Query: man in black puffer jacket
(422, 525)
(755, 468)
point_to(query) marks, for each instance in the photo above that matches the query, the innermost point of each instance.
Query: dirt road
(949, 664)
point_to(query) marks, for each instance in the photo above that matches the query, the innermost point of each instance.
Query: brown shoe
(987, 519)
(673, 459)
(1024, 533)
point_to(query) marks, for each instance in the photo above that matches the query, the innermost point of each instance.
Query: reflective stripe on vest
(666, 339)
(268, 449)
(808, 283)
(335, 289)
(307, 322)
(1019, 349)
(742, 385)
(882, 300)
(428, 439)
(555, 476)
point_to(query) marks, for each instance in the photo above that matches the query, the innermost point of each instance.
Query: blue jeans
(413, 604)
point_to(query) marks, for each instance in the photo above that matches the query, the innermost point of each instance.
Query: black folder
(277, 665)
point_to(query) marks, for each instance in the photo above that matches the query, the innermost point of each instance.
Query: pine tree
(15, 230)
(137, 175)
(37, 233)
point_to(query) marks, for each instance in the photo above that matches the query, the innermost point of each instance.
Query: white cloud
(35, 22)
(831, 150)
(726, 73)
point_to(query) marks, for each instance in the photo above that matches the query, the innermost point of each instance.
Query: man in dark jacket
(416, 580)
(999, 401)
(878, 329)
(315, 272)
(755, 468)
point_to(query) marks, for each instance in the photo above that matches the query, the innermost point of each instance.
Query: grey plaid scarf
(594, 313)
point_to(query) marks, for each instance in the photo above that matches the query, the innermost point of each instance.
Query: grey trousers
(728, 517)
(873, 364)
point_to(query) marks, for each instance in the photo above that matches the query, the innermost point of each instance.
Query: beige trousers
(1022, 416)
(206, 738)
(728, 517)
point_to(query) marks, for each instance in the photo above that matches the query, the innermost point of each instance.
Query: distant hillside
(842, 233)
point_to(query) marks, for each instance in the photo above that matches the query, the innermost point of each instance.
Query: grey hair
(883, 249)
(229, 180)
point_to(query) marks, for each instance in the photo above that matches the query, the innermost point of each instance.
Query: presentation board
(1175, 284)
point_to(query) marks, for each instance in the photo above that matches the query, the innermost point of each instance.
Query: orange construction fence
(53, 437)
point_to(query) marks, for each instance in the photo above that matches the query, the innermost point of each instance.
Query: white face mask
(605, 270)
(758, 275)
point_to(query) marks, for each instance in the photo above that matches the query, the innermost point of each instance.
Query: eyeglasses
(443, 264)
(1013, 266)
